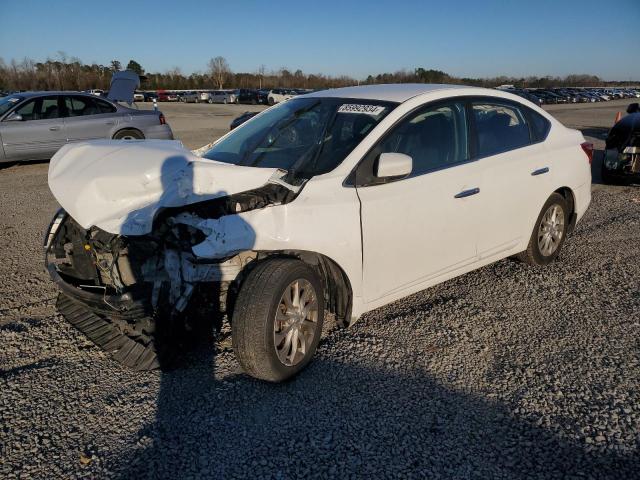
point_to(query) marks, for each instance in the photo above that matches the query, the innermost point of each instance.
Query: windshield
(7, 103)
(305, 136)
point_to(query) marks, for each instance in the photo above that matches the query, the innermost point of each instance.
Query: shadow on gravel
(337, 420)
(11, 372)
(6, 165)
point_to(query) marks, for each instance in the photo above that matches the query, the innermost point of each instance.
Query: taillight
(163, 121)
(588, 150)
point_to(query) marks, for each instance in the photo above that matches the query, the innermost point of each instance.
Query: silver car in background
(34, 125)
(217, 96)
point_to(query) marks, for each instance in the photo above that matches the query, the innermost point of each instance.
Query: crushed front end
(142, 298)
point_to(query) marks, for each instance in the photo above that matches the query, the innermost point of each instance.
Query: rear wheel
(128, 134)
(271, 101)
(277, 319)
(549, 232)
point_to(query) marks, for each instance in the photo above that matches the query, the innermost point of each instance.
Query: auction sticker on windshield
(373, 110)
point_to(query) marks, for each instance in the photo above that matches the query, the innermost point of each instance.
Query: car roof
(386, 92)
(57, 92)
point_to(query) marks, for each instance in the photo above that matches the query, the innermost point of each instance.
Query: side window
(27, 110)
(434, 138)
(540, 126)
(104, 107)
(499, 128)
(81, 106)
(43, 108)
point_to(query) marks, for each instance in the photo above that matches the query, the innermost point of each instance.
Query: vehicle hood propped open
(119, 186)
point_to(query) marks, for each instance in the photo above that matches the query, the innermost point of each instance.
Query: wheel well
(131, 129)
(568, 195)
(337, 287)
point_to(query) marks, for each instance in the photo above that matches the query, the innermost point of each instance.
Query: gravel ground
(507, 372)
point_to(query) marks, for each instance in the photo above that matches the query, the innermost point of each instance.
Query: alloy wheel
(296, 322)
(551, 230)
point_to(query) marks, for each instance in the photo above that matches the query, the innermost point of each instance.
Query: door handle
(110, 123)
(467, 193)
(540, 171)
(54, 128)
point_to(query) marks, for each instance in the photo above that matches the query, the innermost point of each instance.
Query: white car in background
(338, 201)
(278, 95)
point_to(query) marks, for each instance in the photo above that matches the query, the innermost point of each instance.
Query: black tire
(254, 101)
(533, 254)
(254, 318)
(128, 134)
(271, 101)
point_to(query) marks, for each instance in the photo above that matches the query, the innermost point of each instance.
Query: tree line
(70, 73)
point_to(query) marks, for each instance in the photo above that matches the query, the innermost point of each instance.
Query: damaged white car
(334, 202)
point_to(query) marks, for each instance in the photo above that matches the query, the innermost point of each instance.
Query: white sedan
(338, 201)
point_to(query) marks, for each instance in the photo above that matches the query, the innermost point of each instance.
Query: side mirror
(633, 108)
(14, 117)
(394, 165)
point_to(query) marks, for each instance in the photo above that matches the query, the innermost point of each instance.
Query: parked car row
(264, 96)
(542, 96)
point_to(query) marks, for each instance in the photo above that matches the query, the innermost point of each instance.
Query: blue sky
(461, 37)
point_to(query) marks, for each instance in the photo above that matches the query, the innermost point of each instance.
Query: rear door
(88, 118)
(515, 173)
(40, 133)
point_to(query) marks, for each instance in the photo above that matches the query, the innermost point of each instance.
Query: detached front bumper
(110, 321)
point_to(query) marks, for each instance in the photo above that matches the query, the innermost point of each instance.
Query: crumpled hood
(119, 186)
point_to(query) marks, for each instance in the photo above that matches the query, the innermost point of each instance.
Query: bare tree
(220, 71)
(260, 73)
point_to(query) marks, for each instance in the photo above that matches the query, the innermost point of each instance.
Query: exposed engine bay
(151, 288)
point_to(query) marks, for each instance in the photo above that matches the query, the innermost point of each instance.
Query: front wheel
(277, 319)
(549, 232)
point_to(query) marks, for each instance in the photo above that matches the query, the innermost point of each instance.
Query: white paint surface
(119, 185)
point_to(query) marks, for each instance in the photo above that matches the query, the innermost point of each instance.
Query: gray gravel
(507, 372)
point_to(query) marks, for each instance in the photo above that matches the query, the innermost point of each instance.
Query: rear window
(499, 128)
(540, 126)
(106, 107)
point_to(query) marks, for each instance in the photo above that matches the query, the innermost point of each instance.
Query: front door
(423, 226)
(39, 134)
